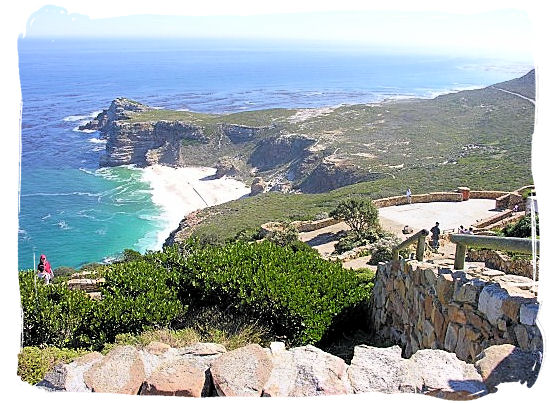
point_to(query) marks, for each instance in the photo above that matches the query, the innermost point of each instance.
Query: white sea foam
(63, 225)
(180, 191)
(96, 140)
(76, 118)
(75, 129)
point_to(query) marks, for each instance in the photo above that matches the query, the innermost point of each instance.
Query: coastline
(182, 190)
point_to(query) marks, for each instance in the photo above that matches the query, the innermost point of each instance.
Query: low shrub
(284, 291)
(53, 314)
(381, 250)
(348, 242)
(296, 294)
(521, 228)
(34, 362)
(136, 295)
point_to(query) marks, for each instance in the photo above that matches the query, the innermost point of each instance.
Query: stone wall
(494, 219)
(500, 261)
(305, 226)
(419, 198)
(487, 194)
(509, 201)
(421, 305)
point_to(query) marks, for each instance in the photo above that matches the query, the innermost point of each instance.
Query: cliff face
(332, 174)
(146, 143)
(275, 151)
(139, 135)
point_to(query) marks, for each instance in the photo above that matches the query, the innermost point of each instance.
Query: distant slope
(477, 138)
(524, 85)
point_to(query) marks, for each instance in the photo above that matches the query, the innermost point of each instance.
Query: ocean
(76, 213)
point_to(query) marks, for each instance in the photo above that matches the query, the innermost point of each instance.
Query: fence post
(460, 256)
(420, 247)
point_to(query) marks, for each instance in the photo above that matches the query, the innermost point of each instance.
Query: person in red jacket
(45, 267)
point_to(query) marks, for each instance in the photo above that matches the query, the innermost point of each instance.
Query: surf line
(197, 192)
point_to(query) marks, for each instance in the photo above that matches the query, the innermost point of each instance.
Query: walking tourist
(435, 235)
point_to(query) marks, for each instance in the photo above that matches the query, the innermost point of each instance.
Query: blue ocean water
(77, 213)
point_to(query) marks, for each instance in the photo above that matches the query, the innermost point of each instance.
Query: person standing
(409, 195)
(435, 235)
(46, 267)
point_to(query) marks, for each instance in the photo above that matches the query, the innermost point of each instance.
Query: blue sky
(495, 33)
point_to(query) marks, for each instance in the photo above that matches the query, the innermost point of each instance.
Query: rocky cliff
(140, 135)
(460, 135)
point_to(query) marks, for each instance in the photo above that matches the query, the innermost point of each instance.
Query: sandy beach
(179, 191)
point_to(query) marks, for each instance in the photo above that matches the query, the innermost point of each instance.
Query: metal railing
(512, 244)
(420, 238)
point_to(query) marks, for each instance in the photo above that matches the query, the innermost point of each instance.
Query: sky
(495, 33)
(507, 27)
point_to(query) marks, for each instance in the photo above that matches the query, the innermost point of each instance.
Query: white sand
(180, 191)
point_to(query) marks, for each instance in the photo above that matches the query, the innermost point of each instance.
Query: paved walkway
(450, 215)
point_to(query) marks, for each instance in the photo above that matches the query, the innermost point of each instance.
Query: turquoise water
(105, 211)
(75, 213)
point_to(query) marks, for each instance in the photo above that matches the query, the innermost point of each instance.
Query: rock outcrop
(331, 174)
(275, 151)
(258, 186)
(206, 369)
(120, 109)
(147, 143)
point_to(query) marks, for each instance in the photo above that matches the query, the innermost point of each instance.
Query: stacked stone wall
(421, 305)
(502, 262)
(305, 226)
(487, 194)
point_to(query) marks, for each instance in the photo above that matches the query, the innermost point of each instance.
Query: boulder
(241, 372)
(444, 375)
(258, 186)
(380, 370)
(179, 377)
(70, 376)
(225, 167)
(507, 363)
(306, 371)
(120, 371)
(491, 300)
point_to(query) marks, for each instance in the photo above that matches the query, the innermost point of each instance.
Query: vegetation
(359, 214)
(35, 362)
(521, 228)
(289, 290)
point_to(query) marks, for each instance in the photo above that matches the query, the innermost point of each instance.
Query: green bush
(349, 242)
(285, 236)
(52, 314)
(381, 250)
(136, 295)
(522, 228)
(33, 362)
(289, 290)
(296, 293)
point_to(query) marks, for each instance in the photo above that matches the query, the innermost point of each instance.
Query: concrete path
(450, 215)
